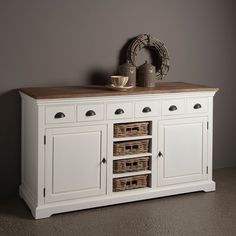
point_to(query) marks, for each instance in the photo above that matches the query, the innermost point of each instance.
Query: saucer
(119, 88)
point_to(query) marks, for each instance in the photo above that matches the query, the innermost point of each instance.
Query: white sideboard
(68, 138)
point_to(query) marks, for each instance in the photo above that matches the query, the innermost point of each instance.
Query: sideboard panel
(74, 167)
(183, 144)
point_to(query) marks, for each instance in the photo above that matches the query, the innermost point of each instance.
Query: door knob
(160, 154)
(104, 160)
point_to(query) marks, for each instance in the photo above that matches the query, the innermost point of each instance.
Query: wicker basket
(127, 183)
(131, 147)
(131, 129)
(129, 165)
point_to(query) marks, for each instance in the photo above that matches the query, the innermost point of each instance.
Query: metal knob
(104, 161)
(147, 109)
(59, 115)
(119, 111)
(197, 106)
(90, 113)
(173, 108)
(160, 154)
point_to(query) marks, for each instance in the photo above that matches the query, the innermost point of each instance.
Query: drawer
(119, 110)
(173, 107)
(197, 105)
(90, 112)
(60, 114)
(147, 108)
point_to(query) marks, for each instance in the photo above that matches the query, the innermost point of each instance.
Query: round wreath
(147, 41)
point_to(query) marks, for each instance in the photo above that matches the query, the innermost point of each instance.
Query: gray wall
(71, 42)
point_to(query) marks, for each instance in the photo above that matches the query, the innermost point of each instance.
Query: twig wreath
(147, 41)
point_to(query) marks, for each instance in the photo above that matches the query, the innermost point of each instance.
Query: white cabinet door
(73, 162)
(182, 147)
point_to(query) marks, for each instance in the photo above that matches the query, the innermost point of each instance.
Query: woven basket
(131, 147)
(129, 165)
(131, 129)
(128, 183)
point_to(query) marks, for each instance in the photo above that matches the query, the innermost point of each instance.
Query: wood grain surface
(94, 91)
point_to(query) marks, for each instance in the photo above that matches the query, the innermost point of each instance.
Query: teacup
(119, 80)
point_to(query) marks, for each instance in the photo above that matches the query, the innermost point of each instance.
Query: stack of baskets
(129, 148)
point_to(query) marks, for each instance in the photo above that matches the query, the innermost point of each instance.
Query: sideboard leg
(210, 187)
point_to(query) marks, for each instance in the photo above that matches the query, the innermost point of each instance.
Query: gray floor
(189, 214)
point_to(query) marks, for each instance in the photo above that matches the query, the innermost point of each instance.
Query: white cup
(119, 80)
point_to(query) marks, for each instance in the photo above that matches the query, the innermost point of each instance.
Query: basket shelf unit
(129, 169)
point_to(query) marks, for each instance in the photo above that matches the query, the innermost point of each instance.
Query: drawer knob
(147, 109)
(197, 106)
(119, 111)
(59, 115)
(173, 108)
(90, 113)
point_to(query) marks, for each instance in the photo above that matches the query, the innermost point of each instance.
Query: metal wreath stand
(147, 41)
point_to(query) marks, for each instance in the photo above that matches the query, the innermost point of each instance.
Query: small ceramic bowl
(119, 81)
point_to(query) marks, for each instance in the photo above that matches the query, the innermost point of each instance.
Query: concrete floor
(188, 214)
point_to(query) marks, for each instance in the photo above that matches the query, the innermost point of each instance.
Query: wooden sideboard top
(94, 91)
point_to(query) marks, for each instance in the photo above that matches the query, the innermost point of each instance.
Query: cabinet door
(183, 145)
(73, 162)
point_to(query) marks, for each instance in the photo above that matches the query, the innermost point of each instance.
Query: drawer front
(147, 108)
(91, 112)
(173, 107)
(197, 105)
(119, 110)
(60, 114)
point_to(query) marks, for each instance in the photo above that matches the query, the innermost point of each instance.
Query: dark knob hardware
(59, 115)
(160, 154)
(173, 108)
(147, 109)
(197, 106)
(90, 113)
(104, 160)
(119, 111)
